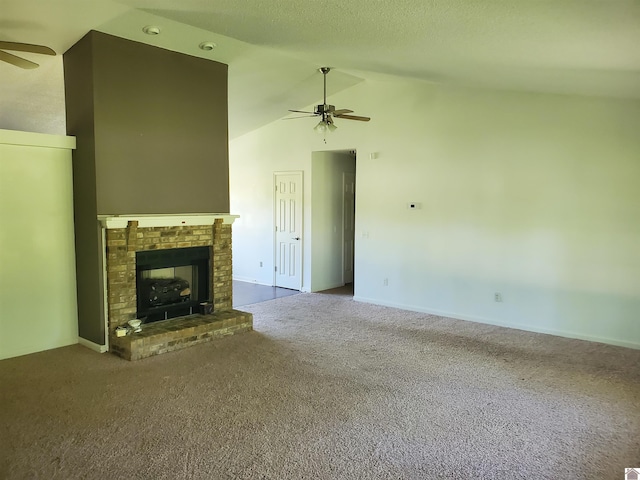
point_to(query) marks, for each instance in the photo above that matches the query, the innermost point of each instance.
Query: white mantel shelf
(31, 139)
(171, 220)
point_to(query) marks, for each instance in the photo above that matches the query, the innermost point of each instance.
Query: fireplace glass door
(171, 283)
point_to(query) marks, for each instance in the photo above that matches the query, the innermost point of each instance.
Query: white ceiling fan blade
(17, 61)
(26, 47)
(302, 111)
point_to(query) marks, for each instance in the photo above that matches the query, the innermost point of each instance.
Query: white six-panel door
(288, 230)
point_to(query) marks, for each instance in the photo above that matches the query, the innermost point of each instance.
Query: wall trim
(488, 321)
(93, 346)
(105, 297)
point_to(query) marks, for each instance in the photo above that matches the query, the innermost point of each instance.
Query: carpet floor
(328, 388)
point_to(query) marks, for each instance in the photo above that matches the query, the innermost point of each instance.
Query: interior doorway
(333, 188)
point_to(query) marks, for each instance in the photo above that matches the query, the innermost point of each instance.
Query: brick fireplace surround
(124, 236)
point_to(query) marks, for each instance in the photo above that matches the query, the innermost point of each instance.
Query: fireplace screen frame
(197, 257)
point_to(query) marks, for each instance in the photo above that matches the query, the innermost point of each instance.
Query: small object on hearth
(135, 324)
(206, 308)
(121, 331)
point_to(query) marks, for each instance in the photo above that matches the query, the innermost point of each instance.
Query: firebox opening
(171, 283)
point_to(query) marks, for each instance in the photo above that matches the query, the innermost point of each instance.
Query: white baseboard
(93, 346)
(329, 286)
(498, 323)
(250, 280)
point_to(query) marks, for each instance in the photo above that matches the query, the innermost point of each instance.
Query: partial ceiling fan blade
(302, 111)
(354, 117)
(300, 116)
(17, 61)
(26, 47)
(341, 112)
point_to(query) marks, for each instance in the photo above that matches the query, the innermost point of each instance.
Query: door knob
(295, 238)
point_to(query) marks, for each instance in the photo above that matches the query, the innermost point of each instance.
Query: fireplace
(171, 283)
(160, 269)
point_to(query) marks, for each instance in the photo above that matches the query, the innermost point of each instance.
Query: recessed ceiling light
(207, 46)
(151, 30)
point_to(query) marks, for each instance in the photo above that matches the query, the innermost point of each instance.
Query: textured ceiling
(587, 47)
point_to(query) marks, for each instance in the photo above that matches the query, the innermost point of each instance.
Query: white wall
(534, 196)
(37, 260)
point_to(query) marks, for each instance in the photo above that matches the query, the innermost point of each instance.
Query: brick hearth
(176, 333)
(122, 243)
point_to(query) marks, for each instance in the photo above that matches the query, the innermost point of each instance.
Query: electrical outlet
(260, 264)
(385, 282)
(497, 297)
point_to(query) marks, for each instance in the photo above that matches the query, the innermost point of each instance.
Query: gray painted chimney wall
(152, 138)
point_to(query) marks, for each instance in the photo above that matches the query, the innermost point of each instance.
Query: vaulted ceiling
(273, 47)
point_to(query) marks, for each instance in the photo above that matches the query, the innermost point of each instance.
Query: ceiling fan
(22, 47)
(329, 112)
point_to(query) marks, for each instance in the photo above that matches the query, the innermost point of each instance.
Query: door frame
(353, 231)
(300, 173)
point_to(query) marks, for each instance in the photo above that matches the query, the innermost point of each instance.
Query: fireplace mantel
(168, 220)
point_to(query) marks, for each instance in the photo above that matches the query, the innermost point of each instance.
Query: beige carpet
(328, 388)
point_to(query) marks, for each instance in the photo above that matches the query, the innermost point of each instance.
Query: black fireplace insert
(172, 282)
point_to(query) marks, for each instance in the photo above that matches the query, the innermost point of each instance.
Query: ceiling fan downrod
(324, 71)
(325, 110)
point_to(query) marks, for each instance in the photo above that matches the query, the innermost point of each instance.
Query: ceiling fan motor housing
(325, 109)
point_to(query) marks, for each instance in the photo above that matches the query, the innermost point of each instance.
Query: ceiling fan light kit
(324, 126)
(328, 112)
